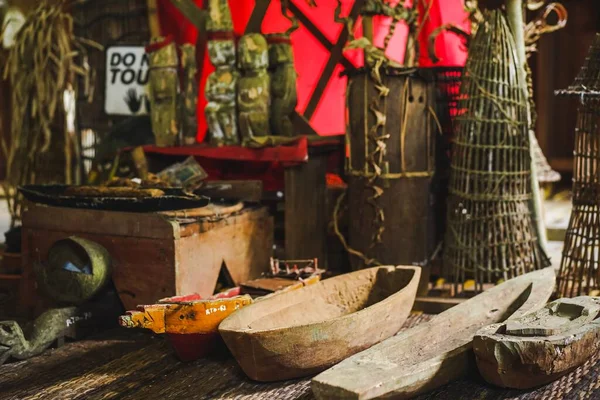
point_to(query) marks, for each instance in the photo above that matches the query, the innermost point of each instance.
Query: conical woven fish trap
(490, 233)
(579, 272)
(587, 82)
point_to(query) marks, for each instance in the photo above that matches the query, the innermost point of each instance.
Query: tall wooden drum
(390, 166)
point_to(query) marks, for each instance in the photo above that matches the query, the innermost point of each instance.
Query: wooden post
(514, 12)
(153, 21)
(368, 31)
(305, 211)
(368, 28)
(410, 54)
(5, 111)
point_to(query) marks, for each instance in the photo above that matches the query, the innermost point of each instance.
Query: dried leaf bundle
(490, 234)
(579, 272)
(39, 67)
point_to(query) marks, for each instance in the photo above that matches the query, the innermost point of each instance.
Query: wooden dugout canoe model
(436, 352)
(539, 347)
(305, 331)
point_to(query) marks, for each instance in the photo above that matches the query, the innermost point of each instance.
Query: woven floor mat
(582, 383)
(135, 365)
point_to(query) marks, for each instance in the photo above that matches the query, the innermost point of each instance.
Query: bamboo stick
(514, 12)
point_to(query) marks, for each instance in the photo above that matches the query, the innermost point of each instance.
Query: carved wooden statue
(220, 92)
(253, 97)
(283, 84)
(164, 88)
(189, 97)
(219, 16)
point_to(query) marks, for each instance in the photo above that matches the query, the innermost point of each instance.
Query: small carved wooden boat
(189, 321)
(436, 352)
(539, 347)
(305, 331)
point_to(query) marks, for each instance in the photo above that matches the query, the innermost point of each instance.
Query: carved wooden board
(305, 331)
(435, 353)
(541, 346)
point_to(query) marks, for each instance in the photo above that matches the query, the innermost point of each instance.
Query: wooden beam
(312, 28)
(324, 79)
(191, 11)
(302, 125)
(305, 210)
(258, 14)
(334, 58)
(153, 21)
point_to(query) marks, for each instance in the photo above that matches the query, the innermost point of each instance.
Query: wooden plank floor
(125, 364)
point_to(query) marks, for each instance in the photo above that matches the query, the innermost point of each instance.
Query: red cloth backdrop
(311, 56)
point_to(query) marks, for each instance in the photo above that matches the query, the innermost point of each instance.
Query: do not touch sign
(126, 90)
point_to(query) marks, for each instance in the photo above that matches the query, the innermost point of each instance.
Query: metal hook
(539, 26)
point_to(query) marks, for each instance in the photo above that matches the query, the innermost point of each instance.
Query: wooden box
(152, 256)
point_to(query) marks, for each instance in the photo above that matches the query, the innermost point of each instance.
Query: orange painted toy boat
(189, 321)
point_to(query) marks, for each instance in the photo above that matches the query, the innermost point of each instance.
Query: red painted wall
(311, 56)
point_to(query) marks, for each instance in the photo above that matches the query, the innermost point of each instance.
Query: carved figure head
(253, 52)
(221, 52)
(280, 49)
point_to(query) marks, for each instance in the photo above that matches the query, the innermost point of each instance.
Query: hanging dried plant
(40, 65)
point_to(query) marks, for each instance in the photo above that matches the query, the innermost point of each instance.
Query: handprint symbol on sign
(133, 101)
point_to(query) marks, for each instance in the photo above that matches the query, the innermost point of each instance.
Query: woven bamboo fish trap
(490, 234)
(579, 272)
